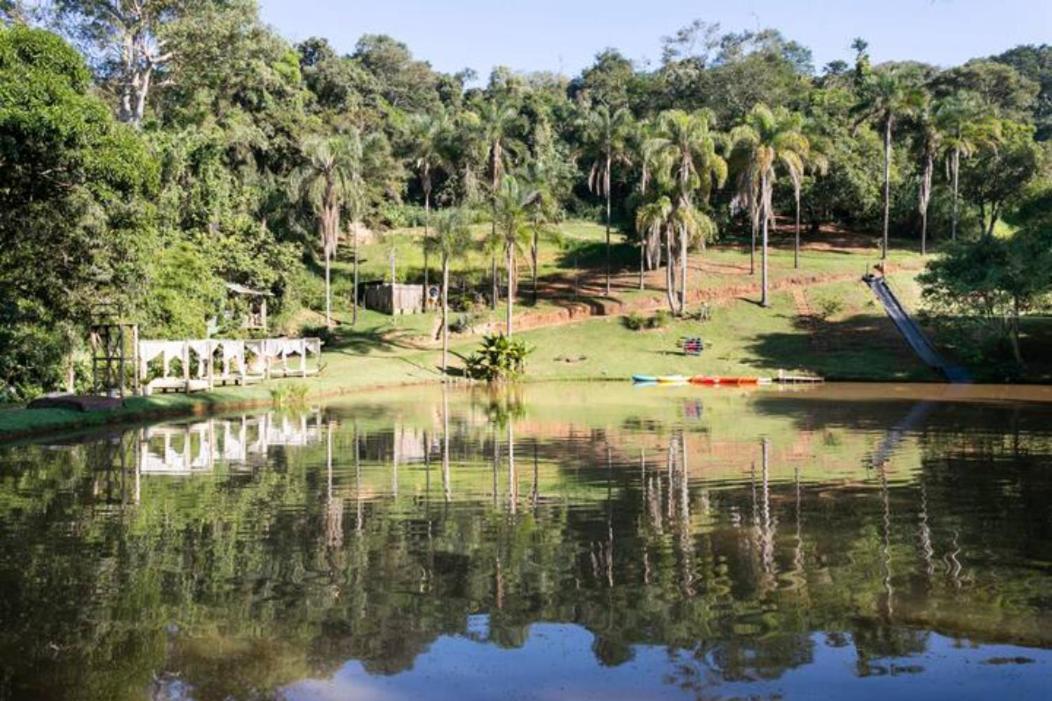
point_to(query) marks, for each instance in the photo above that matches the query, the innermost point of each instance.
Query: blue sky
(564, 35)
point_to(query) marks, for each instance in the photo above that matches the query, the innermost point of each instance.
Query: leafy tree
(887, 96)
(1035, 63)
(606, 135)
(997, 178)
(767, 142)
(75, 222)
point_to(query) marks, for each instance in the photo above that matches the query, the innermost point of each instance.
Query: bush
(499, 359)
(637, 322)
(634, 321)
(829, 307)
(464, 323)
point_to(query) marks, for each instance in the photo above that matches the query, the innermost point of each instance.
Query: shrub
(463, 323)
(829, 307)
(659, 320)
(634, 321)
(637, 322)
(498, 359)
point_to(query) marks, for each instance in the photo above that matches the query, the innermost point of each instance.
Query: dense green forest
(151, 151)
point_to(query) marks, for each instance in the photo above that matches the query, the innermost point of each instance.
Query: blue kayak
(659, 379)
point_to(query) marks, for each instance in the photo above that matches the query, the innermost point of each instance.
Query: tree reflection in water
(238, 571)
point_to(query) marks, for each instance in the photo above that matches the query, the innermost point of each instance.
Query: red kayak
(731, 381)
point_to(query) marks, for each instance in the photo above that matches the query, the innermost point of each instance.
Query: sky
(565, 35)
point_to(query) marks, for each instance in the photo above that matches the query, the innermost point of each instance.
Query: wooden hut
(255, 317)
(393, 299)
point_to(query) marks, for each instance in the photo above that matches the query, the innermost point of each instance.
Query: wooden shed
(393, 299)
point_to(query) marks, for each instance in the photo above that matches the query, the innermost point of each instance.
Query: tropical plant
(498, 359)
(767, 142)
(652, 220)
(886, 96)
(606, 142)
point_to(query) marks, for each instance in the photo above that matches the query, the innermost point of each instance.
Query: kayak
(731, 381)
(659, 379)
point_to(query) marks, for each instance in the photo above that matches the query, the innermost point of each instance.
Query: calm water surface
(551, 542)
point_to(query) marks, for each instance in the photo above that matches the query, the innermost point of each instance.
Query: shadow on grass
(863, 347)
(348, 340)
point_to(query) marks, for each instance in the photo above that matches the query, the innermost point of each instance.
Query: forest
(152, 151)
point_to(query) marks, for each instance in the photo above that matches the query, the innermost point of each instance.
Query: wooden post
(263, 313)
(243, 364)
(137, 359)
(211, 365)
(186, 366)
(303, 357)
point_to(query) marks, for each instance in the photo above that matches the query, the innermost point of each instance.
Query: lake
(551, 541)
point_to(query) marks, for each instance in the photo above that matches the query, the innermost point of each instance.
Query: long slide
(913, 334)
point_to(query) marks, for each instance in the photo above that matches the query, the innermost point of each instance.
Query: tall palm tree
(323, 181)
(768, 141)
(887, 96)
(542, 212)
(498, 122)
(606, 138)
(512, 222)
(965, 127)
(427, 137)
(452, 238)
(640, 140)
(817, 163)
(684, 152)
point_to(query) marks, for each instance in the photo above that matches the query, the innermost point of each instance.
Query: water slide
(913, 334)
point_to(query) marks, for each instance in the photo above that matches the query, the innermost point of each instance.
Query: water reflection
(793, 545)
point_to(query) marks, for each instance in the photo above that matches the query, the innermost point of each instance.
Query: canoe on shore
(660, 379)
(732, 381)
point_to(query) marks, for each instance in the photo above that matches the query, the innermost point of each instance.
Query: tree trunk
(1015, 332)
(683, 263)
(328, 288)
(924, 231)
(796, 246)
(669, 270)
(887, 186)
(445, 314)
(606, 185)
(955, 166)
(752, 249)
(642, 262)
(533, 253)
(511, 292)
(763, 244)
(354, 304)
(427, 232)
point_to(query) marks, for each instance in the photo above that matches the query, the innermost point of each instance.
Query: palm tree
(324, 183)
(965, 128)
(684, 152)
(887, 96)
(498, 120)
(452, 238)
(640, 140)
(652, 223)
(606, 136)
(816, 162)
(542, 212)
(767, 141)
(512, 223)
(427, 134)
